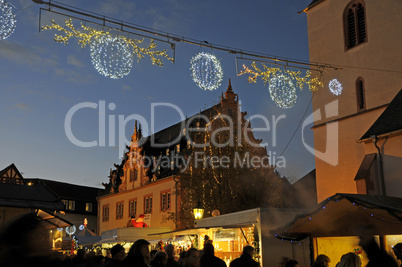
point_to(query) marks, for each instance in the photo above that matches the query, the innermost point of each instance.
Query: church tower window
(355, 24)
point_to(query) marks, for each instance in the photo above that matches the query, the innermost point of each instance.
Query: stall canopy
(344, 215)
(87, 237)
(49, 220)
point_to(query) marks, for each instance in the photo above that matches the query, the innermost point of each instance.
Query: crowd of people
(23, 244)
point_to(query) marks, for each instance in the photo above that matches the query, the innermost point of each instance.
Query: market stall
(126, 236)
(231, 232)
(333, 225)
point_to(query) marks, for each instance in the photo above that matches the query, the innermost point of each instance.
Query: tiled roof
(170, 133)
(69, 191)
(389, 121)
(24, 196)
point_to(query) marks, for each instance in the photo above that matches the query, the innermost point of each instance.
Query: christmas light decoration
(206, 71)
(70, 230)
(268, 72)
(60, 229)
(111, 57)
(7, 20)
(282, 91)
(102, 41)
(82, 227)
(335, 87)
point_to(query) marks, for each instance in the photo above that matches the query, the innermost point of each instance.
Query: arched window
(361, 102)
(355, 24)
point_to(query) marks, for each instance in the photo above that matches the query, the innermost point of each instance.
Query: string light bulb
(335, 87)
(111, 56)
(282, 91)
(206, 71)
(7, 20)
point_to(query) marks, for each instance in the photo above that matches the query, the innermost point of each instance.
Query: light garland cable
(111, 57)
(268, 72)
(89, 35)
(120, 25)
(7, 20)
(206, 71)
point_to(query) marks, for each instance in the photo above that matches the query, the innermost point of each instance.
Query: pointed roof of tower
(229, 89)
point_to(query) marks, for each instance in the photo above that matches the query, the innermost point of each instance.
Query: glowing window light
(206, 71)
(111, 56)
(335, 87)
(282, 91)
(7, 20)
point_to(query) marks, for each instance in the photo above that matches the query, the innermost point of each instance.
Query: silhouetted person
(79, 259)
(118, 254)
(208, 258)
(321, 261)
(377, 257)
(292, 263)
(182, 255)
(350, 260)
(398, 251)
(138, 255)
(159, 260)
(245, 259)
(152, 254)
(191, 258)
(171, 262)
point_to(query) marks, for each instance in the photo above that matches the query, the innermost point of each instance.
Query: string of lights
(168, 37)
(7, 20)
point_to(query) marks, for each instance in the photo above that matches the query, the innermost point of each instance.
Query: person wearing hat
(118, 254)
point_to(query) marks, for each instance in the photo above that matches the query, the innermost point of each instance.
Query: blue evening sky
(41, 80)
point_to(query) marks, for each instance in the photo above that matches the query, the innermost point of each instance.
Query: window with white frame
(148, 204)
(105, 213)
(119, 210)
(165, 201)
(132, 208)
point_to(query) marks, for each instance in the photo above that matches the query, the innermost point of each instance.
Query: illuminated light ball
(206, 71)
(282, 91)
(81, 227)
(111, 56)
(215, 213)
(335, 87)
(7, 20)
(60, 229)
(71, 229)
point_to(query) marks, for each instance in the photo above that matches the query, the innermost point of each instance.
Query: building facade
(144, 186)
(362, 38)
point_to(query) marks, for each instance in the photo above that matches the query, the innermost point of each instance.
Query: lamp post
(198, 211)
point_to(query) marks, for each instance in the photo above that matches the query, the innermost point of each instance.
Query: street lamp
(198, 211)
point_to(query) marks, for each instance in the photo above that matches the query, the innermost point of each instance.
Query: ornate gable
(11, 175)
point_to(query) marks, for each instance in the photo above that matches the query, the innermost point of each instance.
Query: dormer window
(355, 24)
